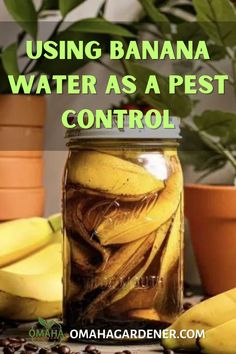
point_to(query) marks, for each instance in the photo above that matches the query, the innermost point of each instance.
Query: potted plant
(22, 117)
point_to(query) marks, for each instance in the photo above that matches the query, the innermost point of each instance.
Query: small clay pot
(211, 212)
(18, 141)
(18, 172)
(21, 203)
(22, 110)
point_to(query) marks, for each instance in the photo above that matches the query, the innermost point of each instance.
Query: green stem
(218, 71)
(110, 68)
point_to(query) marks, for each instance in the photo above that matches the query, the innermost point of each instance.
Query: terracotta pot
(21, 203)
(22, 110)
(211, 212)
(29, 172)
(17, 141)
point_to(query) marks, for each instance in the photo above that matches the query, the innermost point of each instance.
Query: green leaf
(218, 19)
(9, 60)
(178, 104)
(216, 52)
(189, 31)
(4, 83)
(42, 322)
(65, 66)
(156, 16)
(100, 25)
(68, 5)
(194, 151)
(24, 13)
(50, 5)
(218, 124)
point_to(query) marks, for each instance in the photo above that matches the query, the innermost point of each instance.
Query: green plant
(28, 18)
(209, 139)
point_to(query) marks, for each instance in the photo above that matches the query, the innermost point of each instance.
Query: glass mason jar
(123, 227)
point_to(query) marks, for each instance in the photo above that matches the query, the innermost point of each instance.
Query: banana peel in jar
(111, 176)
(170, 273)
(103, 294)
(144, 314)
(85, 249)
(160, 235)
(126, 228)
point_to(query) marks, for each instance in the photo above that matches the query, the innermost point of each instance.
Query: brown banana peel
(160, 235)
(126, 228)
(84, 248)
(170, 272)
(106, 292)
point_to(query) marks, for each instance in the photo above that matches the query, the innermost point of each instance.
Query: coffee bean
(168, 351)
(55, 348)
(31, 347)
(43, 351)
(13, 340)
(64, 349)
(15, 345)
(21, 340)
(8, 350)
(127, 352)
(187, 306)
(90, 349)
(4, 342)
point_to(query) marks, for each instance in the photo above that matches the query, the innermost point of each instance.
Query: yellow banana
(220, 339)
(204, 316)
(32, 287)
(20, 238)
(27, 297)
(48, 259)
(111, 175)
(127, 226)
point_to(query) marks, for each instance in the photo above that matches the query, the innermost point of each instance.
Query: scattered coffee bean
(15, 345)
(45, 351)
(56, 348)
(168, 351)
(4, 342)
(90, 349)
(187, 306)
(21, 340)
(31, 347)
(127, 352)
(13, 340)
(64, 349)
(8, 350)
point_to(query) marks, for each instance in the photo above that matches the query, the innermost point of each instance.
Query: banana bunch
(31, 268)
(123, 219)
(217, 316)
